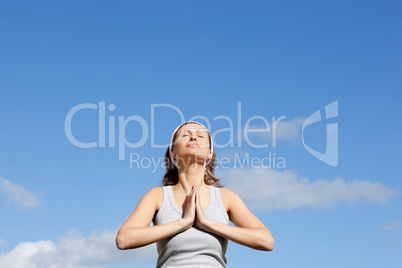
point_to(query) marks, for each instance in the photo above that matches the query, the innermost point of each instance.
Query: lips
(193, 145)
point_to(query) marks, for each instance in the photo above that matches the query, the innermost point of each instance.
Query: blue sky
(226, 63)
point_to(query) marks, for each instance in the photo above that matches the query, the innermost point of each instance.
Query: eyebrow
(198, 130)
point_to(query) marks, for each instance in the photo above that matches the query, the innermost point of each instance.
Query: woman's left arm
(249, 230)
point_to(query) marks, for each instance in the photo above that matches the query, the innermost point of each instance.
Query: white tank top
(193, 247)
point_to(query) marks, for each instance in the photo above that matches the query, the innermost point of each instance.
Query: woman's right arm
(136, 232)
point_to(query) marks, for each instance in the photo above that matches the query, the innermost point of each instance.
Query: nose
(193, 137)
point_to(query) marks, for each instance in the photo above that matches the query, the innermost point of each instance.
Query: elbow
(126, 241)
(269, 244)
(121, 242)
(265, 242)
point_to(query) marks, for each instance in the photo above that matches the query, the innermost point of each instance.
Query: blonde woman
(191, 212)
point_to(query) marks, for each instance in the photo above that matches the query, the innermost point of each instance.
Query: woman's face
(191, 140)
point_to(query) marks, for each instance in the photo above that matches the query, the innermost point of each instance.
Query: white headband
(174, 132)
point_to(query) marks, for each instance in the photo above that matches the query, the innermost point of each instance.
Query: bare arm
(136, 232)
(249, 230)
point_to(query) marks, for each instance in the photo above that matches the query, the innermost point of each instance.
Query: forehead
(192, 127)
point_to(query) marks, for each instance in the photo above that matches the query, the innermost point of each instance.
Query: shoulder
(155, 191)
(227, 193)
(229, 198)
(154, 196)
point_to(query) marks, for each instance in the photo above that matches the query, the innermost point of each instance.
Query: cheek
(181, 143)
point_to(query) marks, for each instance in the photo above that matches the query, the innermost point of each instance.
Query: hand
(201, 220)
(189, 210)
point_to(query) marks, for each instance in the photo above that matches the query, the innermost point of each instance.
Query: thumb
(193, 196)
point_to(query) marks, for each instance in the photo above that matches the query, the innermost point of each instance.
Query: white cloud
(283, 130)
(390, 226)
(268, 189)
(75, 251)
(288, 130)
(17, 194)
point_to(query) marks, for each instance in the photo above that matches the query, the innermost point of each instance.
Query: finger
(198, 195)
(198, 202)
(193, 196)
(190, 195)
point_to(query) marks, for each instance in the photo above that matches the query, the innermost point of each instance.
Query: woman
(191, 212)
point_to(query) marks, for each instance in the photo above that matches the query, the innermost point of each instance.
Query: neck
(192, 175)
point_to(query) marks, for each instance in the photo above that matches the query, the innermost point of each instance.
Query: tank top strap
(212, 199)
(216, 198)
(171, 200)
(165, 193)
